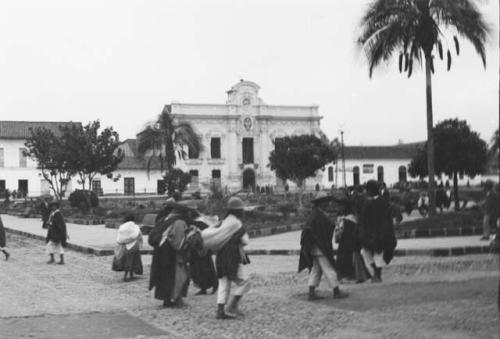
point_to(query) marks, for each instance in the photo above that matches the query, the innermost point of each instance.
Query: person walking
(57, 234)
(169, 274)
(3, 241)
(228, 241)
(128, 252)
(201, 266)
(45, 212)
(490, 209)
(384, 192)
(345, 235)
(316, 251)
(376, 232)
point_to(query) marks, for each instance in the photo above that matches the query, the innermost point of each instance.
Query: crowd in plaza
(184, 241)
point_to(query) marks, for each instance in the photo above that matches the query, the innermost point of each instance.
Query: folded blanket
(128, 233)
(214, 238)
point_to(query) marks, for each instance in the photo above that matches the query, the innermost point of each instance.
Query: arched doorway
(249, 179)
(380, 174)
(355, 174)
(402, 174)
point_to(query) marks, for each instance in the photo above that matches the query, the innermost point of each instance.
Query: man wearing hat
(56, 233)
(376, 232)
(316, 251)
(169, 271)
(230, 261)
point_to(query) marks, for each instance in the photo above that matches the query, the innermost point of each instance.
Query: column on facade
(232, 153)
(264, 152)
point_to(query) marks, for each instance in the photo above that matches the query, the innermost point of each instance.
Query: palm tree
(166, 138)
(414, 29)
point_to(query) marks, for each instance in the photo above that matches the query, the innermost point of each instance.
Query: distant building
(238, 137)
(17, 172)
(387, 164)
(131, 177)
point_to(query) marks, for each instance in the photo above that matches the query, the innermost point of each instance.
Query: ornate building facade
(239, 135)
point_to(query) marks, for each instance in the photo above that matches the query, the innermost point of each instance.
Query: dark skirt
(128, 260)
(202, 272)
(345, 264)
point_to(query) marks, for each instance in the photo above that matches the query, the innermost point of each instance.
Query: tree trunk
(300, 196)
(430, 137)
(455, 191)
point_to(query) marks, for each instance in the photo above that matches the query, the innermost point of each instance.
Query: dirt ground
(420, 297)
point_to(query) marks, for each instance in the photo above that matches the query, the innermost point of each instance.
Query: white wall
(391, 173)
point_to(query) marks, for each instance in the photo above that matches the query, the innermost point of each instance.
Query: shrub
(83, 199)
(445, 220)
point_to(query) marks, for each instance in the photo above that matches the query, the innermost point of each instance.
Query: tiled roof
(22, 129)
(130, 147)
(402, 151)
(129, 162)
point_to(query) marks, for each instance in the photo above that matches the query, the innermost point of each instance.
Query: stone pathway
(419, 298)
(79, 326)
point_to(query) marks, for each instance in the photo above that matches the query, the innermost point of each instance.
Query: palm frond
(464, 16)
(186, 135)
(457, 46)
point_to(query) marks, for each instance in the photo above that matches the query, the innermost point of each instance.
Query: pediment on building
(245, 93)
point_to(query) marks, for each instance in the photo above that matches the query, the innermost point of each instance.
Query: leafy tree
(166, 138)
(459, 151)
(176, 181)
(416, 27)
(52, 159)
(91, 152)
(297, 158)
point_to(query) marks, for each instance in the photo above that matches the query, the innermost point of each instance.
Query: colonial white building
(387, 164)
(17, 172)
(239, 135)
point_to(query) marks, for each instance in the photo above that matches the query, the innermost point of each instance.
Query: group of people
(183, 242)
(365, 235)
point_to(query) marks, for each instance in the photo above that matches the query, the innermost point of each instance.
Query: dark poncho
(375, 227)
(57, 229)
(163, 264)
(230, 257)
(201, 266)
(318, 231)
(348, 244)
(2, 235)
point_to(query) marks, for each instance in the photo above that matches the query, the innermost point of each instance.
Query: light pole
(343, 159)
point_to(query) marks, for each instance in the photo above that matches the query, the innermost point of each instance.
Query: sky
(121, 61)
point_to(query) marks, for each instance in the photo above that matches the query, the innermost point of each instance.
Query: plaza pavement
(99, 240)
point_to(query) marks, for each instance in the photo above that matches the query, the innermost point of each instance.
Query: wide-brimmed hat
(184, 205)
(372, 187)
(235, 203)
(321, 197)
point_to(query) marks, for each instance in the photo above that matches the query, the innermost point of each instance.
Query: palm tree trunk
(430, 137)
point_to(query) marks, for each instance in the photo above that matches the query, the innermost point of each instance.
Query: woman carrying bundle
(128, 252)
